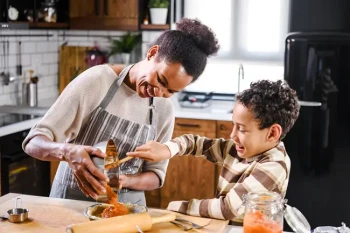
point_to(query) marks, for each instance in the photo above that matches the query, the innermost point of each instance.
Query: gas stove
(201, 99)
(12, 118)
(195, 99)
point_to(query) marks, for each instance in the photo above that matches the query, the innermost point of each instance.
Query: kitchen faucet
(240, 74)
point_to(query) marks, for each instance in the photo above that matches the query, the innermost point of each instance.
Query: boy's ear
(274, 133)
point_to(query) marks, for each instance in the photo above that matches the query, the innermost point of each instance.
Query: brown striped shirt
(268, 171)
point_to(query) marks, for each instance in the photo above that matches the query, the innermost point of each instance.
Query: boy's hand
(122, 182)
(151, 151)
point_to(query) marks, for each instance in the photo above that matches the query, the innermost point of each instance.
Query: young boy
(254, 159)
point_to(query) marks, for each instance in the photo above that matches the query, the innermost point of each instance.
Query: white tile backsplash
(42, 47)
(50, 57)
(41, 53)
(28, 47)
(43, 70)
(26, 60)
(54, 68)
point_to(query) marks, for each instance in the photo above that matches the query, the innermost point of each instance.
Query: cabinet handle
(96, 7)
(105, 7)
(189, 125)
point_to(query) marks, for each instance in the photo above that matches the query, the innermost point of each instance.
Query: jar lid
(296, 220)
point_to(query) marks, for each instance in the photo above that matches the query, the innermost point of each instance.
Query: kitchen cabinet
(187, 176)
(190, 177)
(127, 15)
(104, 14)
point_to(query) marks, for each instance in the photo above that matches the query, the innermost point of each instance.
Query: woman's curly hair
(190, 44)
(271, 103)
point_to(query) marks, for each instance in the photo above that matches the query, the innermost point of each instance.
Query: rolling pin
(126, 223)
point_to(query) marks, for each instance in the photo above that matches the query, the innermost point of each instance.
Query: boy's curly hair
(271, 103)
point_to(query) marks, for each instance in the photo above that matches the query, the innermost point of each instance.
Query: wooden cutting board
(53, 215)
(72, 63)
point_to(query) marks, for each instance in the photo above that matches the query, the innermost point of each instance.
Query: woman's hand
(91, 180)
(151, 151)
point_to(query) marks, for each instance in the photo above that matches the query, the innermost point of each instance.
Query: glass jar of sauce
(264, 212)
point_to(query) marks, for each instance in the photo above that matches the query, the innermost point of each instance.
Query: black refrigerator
(317, 66)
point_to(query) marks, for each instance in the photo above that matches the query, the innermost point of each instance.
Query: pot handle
(18, 203)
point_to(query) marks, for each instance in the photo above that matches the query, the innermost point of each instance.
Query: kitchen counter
(24, 125)
(17, 127)
(50, 215)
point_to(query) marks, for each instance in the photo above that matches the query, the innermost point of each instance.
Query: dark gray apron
(101, 126)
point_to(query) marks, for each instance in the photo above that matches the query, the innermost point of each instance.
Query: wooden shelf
(155, 26)
(48, 25)
(38, 25)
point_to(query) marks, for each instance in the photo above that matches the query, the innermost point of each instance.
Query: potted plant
(158, 11)
(125, 46)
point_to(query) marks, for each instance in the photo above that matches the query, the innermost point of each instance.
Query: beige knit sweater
(83, 95)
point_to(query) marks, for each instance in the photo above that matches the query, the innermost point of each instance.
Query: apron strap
(151, 108)
(114, 87)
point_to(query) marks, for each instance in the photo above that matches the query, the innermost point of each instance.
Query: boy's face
(249, 139)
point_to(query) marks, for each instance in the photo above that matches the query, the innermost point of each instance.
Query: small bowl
(94, 211)
(17, 215)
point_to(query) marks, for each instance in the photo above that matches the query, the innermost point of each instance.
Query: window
(246, 29)
(261, 29)
(219, 17)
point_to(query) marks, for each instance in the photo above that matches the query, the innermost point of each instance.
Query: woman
(120, 103)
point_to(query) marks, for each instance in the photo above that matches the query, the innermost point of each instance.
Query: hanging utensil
(10, 78)
(7, 61)
(19, 59)
(6, 75)
(6, 79)
(2, 74)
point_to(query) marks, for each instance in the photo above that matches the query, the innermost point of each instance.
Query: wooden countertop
(53, 215)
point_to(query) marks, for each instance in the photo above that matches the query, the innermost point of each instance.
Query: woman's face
(160, 79)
